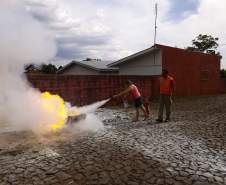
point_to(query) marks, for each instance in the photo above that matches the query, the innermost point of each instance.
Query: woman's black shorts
(138, 102)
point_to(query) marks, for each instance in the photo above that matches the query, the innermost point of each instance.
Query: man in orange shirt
(167, 87)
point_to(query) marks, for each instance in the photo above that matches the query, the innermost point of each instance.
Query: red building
(195, 73)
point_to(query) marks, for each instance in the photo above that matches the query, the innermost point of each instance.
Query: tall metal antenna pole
(155, 35)
(156, 16)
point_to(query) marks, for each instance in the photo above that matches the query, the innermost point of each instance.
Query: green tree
(90, 59)
(223, 73)
(48, 69)
(205, 44)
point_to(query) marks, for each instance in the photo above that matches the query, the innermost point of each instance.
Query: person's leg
(146, 106)
(137, 115)
(145, 112)
(168, 107)
(161, 107)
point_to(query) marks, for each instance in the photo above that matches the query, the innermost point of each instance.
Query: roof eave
(143, 52)
(66, 66)
(110, 69)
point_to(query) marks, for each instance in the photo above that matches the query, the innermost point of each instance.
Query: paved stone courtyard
(191, 149)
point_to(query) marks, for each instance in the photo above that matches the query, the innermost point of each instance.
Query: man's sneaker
(159, 120)
(167, 120)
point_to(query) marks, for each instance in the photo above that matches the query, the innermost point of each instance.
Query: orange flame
(55, 106)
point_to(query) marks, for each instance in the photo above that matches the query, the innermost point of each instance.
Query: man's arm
(173, 87)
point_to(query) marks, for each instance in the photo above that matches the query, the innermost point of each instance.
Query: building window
(204, 75)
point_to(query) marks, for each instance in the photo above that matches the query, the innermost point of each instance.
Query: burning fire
(55, 113)
(55, 106)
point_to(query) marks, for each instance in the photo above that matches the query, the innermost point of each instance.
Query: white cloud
(116, 28)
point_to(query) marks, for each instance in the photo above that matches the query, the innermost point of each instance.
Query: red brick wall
(186, 68)
(80, 90)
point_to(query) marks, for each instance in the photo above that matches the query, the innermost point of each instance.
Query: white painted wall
(143, 65)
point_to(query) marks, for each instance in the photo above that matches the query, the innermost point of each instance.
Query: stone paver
(191, 149)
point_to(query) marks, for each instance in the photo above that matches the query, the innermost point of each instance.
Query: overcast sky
(112, 29)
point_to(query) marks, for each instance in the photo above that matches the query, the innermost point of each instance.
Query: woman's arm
(123, 92)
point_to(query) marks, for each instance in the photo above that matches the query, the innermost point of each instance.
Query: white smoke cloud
(91, 122)
(23, 40)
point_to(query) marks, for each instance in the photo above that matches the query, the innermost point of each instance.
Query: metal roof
(91, 64)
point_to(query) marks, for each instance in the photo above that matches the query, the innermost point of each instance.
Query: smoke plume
(23, 40)
(92, 122)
